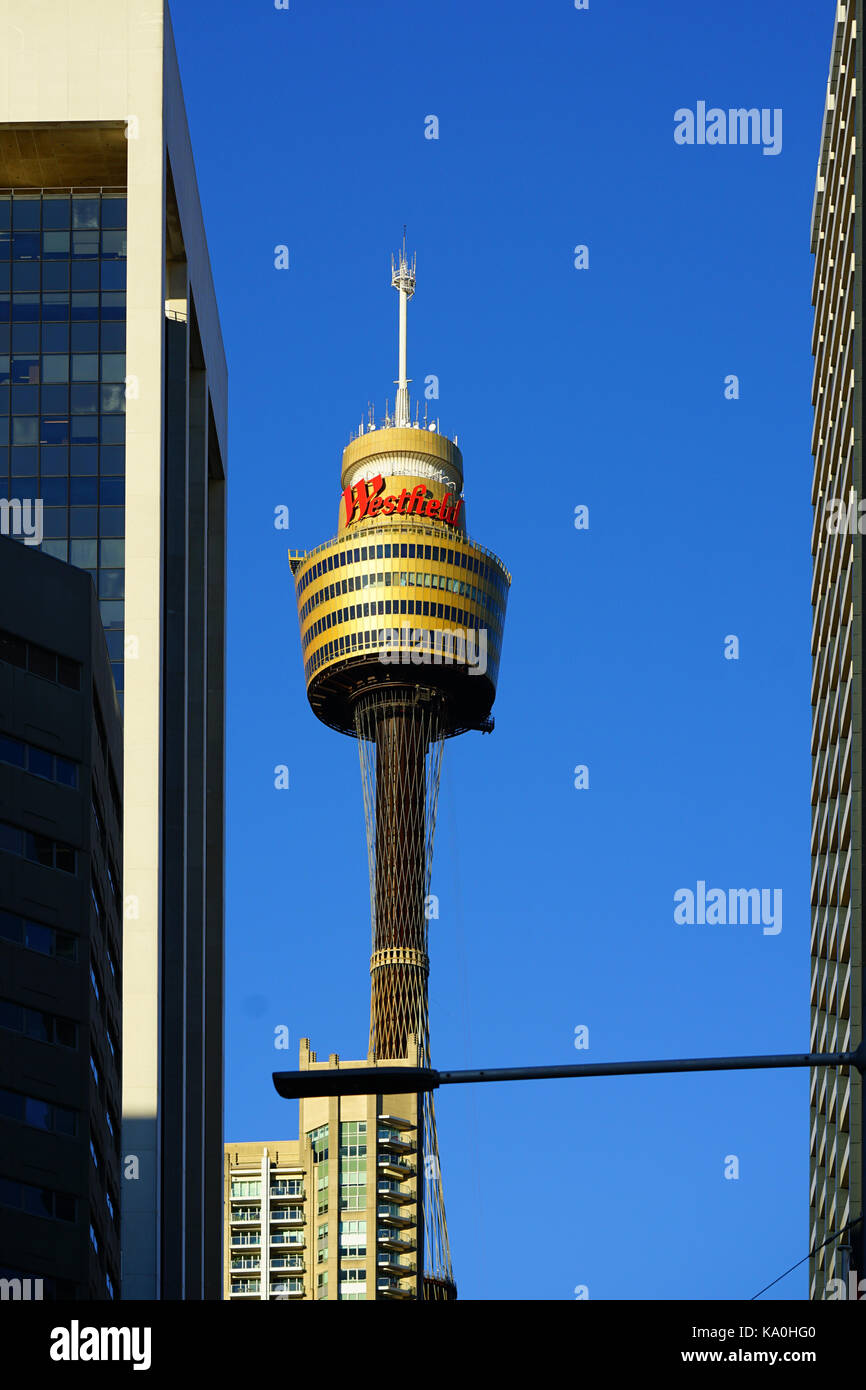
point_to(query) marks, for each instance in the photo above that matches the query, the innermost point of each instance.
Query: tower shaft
(399, 964)
(400, 737)
(397, 729)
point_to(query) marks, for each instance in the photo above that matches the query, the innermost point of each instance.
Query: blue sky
(602, 387)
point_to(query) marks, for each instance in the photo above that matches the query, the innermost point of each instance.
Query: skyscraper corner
(118, 429)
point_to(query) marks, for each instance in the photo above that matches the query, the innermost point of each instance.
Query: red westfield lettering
(365, 499)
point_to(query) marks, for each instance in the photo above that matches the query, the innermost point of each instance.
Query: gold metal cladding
(425, 444)
(491, 588)
(403, 528)
(399, 955)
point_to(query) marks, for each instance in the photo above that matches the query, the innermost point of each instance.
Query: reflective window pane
(83, 491)
(55, 245)
(55, 367)
(40, 763)
(41, 662)
(12, 751)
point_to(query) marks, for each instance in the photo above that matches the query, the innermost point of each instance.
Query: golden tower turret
(402, 618)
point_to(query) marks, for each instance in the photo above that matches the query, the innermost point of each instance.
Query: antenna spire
(403, 280)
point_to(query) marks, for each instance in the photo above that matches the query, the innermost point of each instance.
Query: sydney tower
(402, 618)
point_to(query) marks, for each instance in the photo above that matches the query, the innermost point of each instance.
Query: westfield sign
(365, 500)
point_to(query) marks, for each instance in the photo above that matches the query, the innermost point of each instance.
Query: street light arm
(357, 1081)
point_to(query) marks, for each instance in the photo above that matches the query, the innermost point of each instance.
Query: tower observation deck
(401, 618)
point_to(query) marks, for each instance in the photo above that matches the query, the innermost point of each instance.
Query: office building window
(34, 936)
(38, 660)
(38, 762)
(37, 1201)
(39, 1114)
(37, 1024)
(39, 849)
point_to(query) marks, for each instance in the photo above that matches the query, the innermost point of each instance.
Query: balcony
(390, 1139)
(243, 1262)
(392, 1240)
(247, 1288)
(394, 1192)
(290, 1188)
(251, 1241)
(246, 1217)
(288, 1288)
(392, 1167)
(395, 1122)
(393, 1216)
(296, 1239)
(287, 1262)
(389, 1264)
(392, 1288)
(287, 1215)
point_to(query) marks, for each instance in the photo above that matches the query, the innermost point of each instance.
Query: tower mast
(403, 281)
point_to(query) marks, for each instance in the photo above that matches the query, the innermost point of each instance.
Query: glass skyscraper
(63, 379)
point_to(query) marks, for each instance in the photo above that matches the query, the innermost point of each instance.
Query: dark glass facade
(63, 382)
(61, 916)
